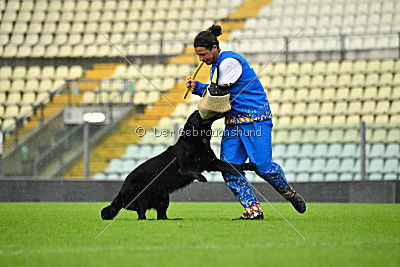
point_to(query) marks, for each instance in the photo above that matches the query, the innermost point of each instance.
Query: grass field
(62, 234)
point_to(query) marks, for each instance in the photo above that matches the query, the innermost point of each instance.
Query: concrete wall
(79, 190)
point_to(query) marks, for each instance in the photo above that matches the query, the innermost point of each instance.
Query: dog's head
(109, 212)
(196, 127)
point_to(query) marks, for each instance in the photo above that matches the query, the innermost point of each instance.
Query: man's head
(206, 44)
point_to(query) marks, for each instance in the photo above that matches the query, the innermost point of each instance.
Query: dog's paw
(201, 178)
(249, 166)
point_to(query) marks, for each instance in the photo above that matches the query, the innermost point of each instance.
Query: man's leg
(257, 143)
(232, 150)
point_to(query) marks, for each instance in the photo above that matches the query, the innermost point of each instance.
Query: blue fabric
(252, 141)
(248, 99)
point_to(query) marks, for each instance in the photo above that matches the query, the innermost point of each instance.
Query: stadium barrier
(24, 189)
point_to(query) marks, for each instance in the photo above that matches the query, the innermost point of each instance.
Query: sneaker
(252, 213)
(298, 203)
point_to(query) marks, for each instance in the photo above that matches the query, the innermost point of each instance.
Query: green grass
(62, 234)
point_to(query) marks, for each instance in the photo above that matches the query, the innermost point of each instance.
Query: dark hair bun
(215, 30)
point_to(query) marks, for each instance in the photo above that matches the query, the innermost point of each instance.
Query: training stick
(193, 76)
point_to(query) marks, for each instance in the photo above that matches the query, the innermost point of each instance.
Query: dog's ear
(201, 178)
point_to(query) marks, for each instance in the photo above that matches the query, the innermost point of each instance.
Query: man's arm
(196, 87)
(199, 88)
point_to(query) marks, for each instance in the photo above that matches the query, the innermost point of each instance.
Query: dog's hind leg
(162, 207)
(142, 207)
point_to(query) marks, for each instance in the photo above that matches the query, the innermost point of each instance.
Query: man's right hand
(190, 83)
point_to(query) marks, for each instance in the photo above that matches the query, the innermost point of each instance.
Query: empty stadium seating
(364, 24)
(69, 28)
(23, 87)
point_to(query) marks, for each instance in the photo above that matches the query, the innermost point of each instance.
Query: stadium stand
(318, 107)
(318, 101)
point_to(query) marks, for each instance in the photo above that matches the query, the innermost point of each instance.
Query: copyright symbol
(140, 131)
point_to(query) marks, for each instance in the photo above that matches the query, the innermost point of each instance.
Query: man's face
(208, 56)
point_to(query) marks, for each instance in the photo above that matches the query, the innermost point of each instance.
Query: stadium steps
(248, 9)
(115, 145)
(235, 21)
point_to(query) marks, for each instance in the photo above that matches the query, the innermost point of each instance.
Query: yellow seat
(344, 80)
(396, 79)
(279, 68)
(387, 66)
(342, 93)
(290, 81)
(394, 119)
(346, 67)
(383, 119)
(293, 68)
(300, 108)
(298, 120)
(265, 81)
(354, 107)
(384, 92)
(370, 93)
(368, 107)
(311, 120)
(328, 94)
(276, 82)
(317, 81)
(327, 108)
(274, 95)
(304, 81)
(306, 68)
(302, 94)
(353, 119)
(286, 109)
(373, 66)
(372, 79)
(358, 80)
(339, 119)
(356, 93)
(360, 66)
(11, 111)
(14, 98)
(332, 67)
(340, 108)
(319, 67)
(288, 95)
(395, 93)
(395, 108)
(315, 94)
(386, 79)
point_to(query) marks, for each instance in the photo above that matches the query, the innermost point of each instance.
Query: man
(250, 113)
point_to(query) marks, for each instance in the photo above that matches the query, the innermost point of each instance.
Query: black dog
(149, 185)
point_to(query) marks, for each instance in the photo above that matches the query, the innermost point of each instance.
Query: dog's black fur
(176, 168)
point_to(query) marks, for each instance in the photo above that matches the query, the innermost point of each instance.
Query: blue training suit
(248, 133)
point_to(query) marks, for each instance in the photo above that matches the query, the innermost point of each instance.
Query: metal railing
(56, 137)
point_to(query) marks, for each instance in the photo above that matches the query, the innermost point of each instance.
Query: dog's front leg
(191, 173)
(195, 175)
(219, 165)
